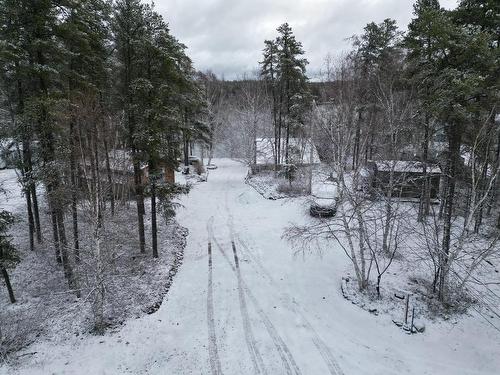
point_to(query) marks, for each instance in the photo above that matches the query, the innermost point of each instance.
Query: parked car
(324, 198)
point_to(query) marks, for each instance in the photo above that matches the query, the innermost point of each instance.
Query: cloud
(227, 36)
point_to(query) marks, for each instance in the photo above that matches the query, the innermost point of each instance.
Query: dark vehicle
(324, 198)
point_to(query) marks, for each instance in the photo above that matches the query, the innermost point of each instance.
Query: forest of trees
(83, 79)
(429, 95)
(80, 81)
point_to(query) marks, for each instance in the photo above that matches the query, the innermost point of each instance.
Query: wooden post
(406, 308)
(412, 318)
(8, 284)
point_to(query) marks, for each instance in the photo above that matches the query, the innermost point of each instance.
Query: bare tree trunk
(388, 214)
(31, 224)
(424, 207)
(110, 177)
(99, 272)
(371, 136)
(27, 171)
(8, 284)
(454, 138)
(55, 234)
(26, 181)
(186, 152)
(139, 199)
(287, 140)
(360, 271)
(154, 229)
(482, 186)
(99, 191)
(74, 196)
(275, 123)
(494, 192)
(68, 269)
(210, 152)
(36, 213)
(357, 141)
(280, 124)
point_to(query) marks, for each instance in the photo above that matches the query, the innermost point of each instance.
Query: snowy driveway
(244, 303)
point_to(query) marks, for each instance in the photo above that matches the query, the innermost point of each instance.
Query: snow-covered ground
(244, 303)
(135, 284)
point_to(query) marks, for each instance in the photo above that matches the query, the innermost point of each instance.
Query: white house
(300, 152)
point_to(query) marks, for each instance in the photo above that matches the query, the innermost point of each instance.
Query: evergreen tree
(14, 73)
(377, 61)
(484, 16)
(8, 254)
(86, 39)
(158, 95)
(423, 44)
(39, 55)
(269, 66)
(284, 69)
(452, 61)
(129, 29)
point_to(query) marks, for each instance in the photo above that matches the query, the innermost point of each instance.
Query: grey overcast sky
(227, 36)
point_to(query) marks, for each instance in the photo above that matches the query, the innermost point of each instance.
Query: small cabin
(408, 178)
(122, 172)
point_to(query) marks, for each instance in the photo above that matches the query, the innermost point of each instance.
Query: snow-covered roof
(405, 166)
(301, 151)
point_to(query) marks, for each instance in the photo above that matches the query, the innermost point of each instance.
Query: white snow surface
(270, 312)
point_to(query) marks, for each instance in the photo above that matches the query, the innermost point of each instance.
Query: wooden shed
(122, 172)
(408, 178)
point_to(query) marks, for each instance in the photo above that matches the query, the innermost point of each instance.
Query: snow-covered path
(244, 303)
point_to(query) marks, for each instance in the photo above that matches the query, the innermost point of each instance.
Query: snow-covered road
(244, 303)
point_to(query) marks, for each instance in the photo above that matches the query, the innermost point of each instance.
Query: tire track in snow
(283, 351)
(320, 345)
(257, 361)
(212, 338)
(282, 348)
(323, 349)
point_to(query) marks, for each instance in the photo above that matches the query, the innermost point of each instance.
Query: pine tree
(422, 42)
(129, 28)
(459, 57)
(8, 254)
(269, 73)
(284, 69)
(294, 93)
(158, 95)
(484, 16)
(38, 56)
(15, 78)
(86, 38)
(377, 61)
(164, 64)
